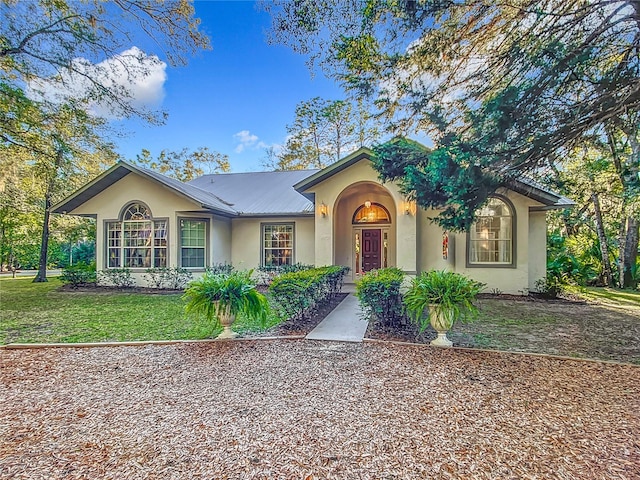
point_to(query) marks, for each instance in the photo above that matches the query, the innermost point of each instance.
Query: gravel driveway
(313, 410)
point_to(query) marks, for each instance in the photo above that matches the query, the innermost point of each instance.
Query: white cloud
(139, 78)
(247, 140)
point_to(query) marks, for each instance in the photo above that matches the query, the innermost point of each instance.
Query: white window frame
(203, 247)
(136, 235)
(264, 248)
(499, 238)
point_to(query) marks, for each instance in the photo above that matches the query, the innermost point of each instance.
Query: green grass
(39, 312)
(611, 295)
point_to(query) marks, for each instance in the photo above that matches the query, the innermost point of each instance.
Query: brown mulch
(313, 410)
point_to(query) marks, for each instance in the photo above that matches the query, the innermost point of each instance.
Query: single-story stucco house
(340, 215)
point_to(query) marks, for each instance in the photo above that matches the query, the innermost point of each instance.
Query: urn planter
(441, 320)
(220, 297)
(446, 296)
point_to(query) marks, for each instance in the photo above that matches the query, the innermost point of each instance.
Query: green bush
(265, 274)
(217, 268)
(296, 293)
(117, 277)
(79, 275)
(169, 278)
(379, 294)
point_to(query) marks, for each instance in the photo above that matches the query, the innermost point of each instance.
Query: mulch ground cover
(296, 409)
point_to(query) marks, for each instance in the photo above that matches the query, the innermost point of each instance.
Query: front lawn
(40, 312)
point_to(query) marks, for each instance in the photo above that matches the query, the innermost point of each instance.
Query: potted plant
(445, 297)
(222, 296)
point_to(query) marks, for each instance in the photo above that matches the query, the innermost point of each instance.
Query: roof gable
(362, 153)
(122, 169)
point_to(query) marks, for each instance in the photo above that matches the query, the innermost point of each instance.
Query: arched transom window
(136, 240)
(491, 236)
(370, 212)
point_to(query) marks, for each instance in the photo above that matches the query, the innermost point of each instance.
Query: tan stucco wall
(330, 192)
(164, 204)
(537, 247)
(246, 240)
(529, 261)
(221, 240)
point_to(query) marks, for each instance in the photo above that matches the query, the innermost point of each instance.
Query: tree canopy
(66, 68)
(504, 89)
(322, 132)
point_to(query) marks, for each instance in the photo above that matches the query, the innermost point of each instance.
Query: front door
(371, 250)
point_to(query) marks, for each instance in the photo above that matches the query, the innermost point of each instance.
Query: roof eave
(360, 154)
(64, 205)
(549, 200)
(60, 207)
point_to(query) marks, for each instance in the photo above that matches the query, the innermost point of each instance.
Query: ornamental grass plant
(439, 292)
(213, 294)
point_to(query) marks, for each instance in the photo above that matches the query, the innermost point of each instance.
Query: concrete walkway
(343, 324)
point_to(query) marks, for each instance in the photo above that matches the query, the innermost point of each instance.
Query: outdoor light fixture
(323, 209)
(409, 207)
(367, 204)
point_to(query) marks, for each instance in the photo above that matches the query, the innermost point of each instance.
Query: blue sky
(242, 89)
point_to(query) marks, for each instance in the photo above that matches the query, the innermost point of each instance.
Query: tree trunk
(44, 244)
(628, 253)
(602, 238)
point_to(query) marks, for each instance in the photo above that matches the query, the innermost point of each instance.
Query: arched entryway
(365, 237)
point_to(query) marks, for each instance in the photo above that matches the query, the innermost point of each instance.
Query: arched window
(136, 240)
(371, 213)
(491, 236)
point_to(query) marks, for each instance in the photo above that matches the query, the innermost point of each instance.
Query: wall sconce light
(323, 210)
(410, 207)
(367, 204)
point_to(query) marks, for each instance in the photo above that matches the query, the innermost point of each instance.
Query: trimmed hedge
(379, 294)
(297, 293)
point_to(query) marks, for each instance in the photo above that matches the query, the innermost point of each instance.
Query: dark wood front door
(371, 250)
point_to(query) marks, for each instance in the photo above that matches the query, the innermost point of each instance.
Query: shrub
(296, 293)
(170, 278)
(551, 286)
(117, 277)
(265, 274)
(217, 268)
(379, 294)
(78, 275)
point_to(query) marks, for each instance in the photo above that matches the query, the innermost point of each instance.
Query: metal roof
(265, 193)
(259, 193)
(532, 189)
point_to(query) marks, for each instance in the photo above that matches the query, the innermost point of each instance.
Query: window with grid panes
(277, 244)
(491, 236)
(136, 240)
(193, 243)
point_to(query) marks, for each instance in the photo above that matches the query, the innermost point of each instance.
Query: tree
(322, 132)
(503, 88)
(185, 165)
(64, 44)
(64, 65)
